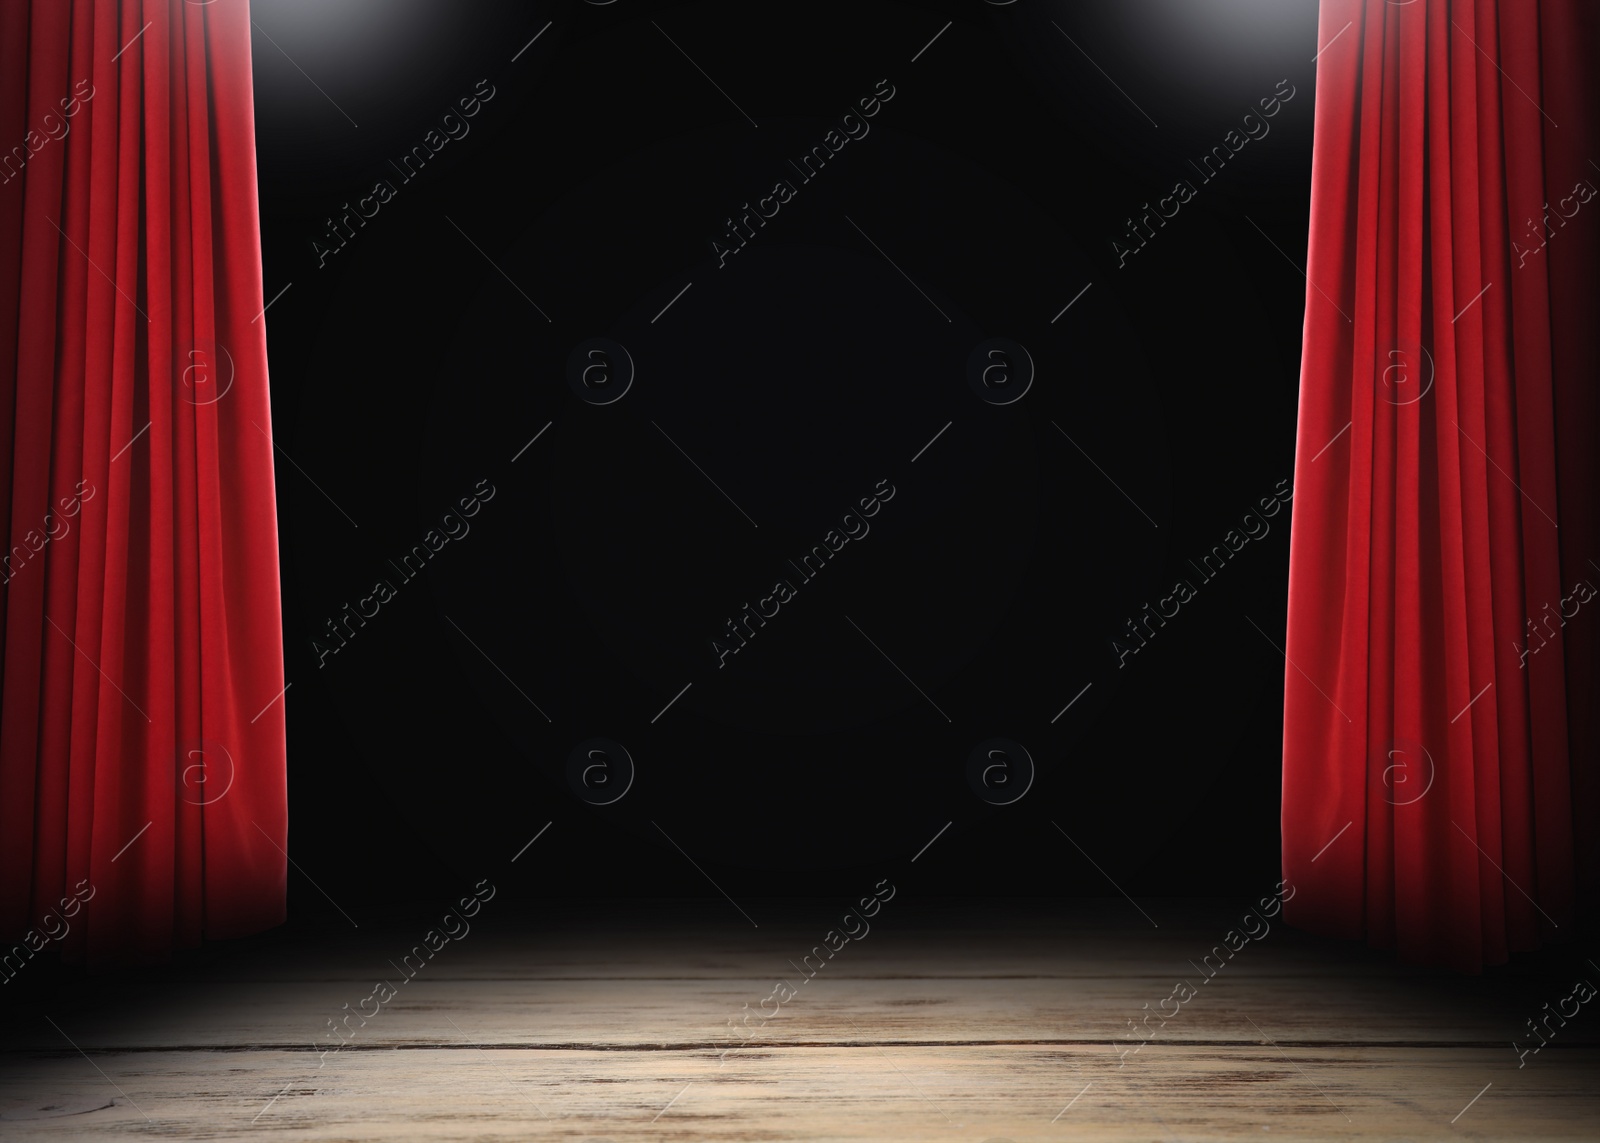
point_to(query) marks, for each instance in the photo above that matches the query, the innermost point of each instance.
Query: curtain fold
(142, 768)
(1439, 740)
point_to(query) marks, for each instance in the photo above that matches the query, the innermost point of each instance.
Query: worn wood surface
(977, 1022)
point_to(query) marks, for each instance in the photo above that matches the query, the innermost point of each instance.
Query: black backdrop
(424, 334)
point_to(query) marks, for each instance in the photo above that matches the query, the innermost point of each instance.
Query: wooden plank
(983, 1023)
(855, 1094)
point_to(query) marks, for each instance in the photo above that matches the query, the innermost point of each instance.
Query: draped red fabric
(1439, 736)
(142, 771)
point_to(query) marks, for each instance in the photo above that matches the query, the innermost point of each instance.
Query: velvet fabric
(1439, 742)
(141, 701)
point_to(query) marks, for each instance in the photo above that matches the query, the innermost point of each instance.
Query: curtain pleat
(1429, 760)
(142, 767)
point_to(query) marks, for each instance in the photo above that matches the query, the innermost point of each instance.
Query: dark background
(424, 353)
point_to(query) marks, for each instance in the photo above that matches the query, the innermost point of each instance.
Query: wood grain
(988, 1023)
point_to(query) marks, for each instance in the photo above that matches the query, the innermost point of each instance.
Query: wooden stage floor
(944, 1021)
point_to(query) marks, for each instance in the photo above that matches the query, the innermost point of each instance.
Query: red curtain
(1439, 737)
(142, 777)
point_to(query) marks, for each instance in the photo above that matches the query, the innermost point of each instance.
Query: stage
(960, 1020)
